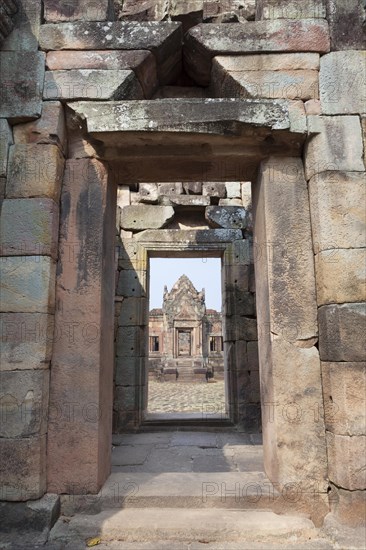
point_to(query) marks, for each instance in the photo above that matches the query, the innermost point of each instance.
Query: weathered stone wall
(311, 59)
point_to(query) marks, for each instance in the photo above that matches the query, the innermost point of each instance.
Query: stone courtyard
(205, 398)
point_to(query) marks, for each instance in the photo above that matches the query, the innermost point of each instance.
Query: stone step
(181, 524)
(235, 490)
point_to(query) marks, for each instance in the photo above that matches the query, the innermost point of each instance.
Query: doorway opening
(186, 374)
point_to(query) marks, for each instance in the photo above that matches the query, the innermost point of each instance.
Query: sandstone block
(21, 77)
(49, 129)
(6, 139)
(240, 328)
(205, 41)
(349, 507)
(346, 24)
(27, 23)
(230, 217)
(335, 145)
(214, 189)
(188, 201)
(130, 342)
(344, 390)
(338, 215)
(130, 371)
(170, 188)
(252, 356)
(82, 360)
(342, 332)
(340, 276)
(133, 312)
(91, 84)
(35, 171)
(26, 340)
(237, 275)
(163, 39)
(79, 10)
(132, 283)
(230, 202)
(29, 227)
(295, 317)
(290, 9)
(246, 194)
(138, 218)
(268, 62)
(238, 254)
(287, 84)
(126, 398)
(24, 403)
(342, 81)
(148, 192)
(22, 468)
(238, 303)
(233, 189)
(313, 107)
(123, 196)
(346, 457)
(28, 284)
(141, 62)
(192, 188)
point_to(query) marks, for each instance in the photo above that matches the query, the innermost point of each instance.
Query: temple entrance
(184, 342)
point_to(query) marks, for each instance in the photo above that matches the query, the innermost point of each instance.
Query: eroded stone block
(342, 331)
(290, 9)
(35, 171)
(267, 62)
(170, 188)
(6, 139)
(203, 42)
(133, 311)
(28, 284)
(49, 129)
(91, 84)
(24, 403)
(342, 82)
(346, 456)
(340, 276)
(148, 193)
(27, 23)
(130, 371)
(29, 227)
(282, 84)
(163, 39)
(229, 217)
(138, 218)
(142, 62)
(21, 77)
(346, 24)
(344, 390)
(335, 145)
(79, 10)
(349, 507)
(26, 340)
(338, 216)
(131, 342)
(214, 189)
(22, 468)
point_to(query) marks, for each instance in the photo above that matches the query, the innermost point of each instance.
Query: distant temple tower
(184, 336)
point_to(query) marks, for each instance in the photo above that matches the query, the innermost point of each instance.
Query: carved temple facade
(183, 334)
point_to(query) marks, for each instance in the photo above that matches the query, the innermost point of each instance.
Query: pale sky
(203, 272)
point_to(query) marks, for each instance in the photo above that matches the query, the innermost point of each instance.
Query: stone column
(79, 438)
(291, 391)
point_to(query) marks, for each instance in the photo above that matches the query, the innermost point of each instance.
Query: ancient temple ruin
(232, 129)
(185, 339)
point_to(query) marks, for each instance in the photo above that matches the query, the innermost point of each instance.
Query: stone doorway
(286, 304)
(184, 341)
